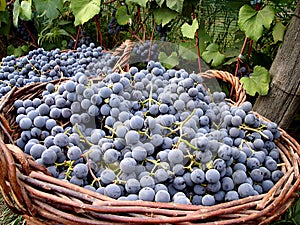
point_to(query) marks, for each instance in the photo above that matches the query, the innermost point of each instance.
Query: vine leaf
(16, 12)
(258, 82)
(25, 10)
(189, 30)
(2, 5)
(253, 22)
(175, 5)
(164, 15)
(19, 51)
(122, 16)
(213, 55)
(51, 8)
(142, 3)
(188, 51)
(84, 10)
(278, 32)
(169, 61)
(160, 2)
(5, 23)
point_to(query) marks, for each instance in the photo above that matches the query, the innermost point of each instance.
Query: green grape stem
(81, 135)
(258, 130)
(181, 124)
(112, 130)
(69, 170)
(145, 133)
(150, 99)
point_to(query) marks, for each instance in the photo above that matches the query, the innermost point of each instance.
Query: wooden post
(283, 99)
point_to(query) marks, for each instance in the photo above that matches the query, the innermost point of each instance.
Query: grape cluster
(113, 26)
(140, 51)
(151, 134)
(83, 39)
(244, 72)
(43, 66)
(162, 31)
(22, 32)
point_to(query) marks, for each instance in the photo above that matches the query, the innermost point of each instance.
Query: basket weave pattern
(29, 190)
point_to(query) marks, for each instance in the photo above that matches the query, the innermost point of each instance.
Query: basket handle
(125, 49)
(240, 94)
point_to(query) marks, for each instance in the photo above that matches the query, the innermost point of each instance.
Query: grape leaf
(5, 23)
(51, 8)
(204, 38)
(164, 15)
(2, 5)
(212, 54)
(189, 30)
(4, 18)
(25, 10)
(169, 61)
(278, 32)
(142, 3)
(25, 48)
(122, 16)
(160, 2)
(188, 51)
(258, 82)
(253, 22)
(84, 10)
(175, 5)
(16, 12)
(11, 50)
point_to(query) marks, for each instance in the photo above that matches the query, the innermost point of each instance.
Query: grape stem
(244, 127)
(145, 133)
(150, 99)
(81, 135)
(187, 143)
(113, 132)
(181, 124)
(70, 168)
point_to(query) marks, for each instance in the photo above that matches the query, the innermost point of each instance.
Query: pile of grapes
(152, 135)
(43, 66)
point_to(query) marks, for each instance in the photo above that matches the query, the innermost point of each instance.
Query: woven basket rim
(29, 190)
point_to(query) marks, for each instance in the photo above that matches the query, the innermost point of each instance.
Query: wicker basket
(29, 190)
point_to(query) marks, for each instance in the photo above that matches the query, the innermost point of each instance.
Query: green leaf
(278, 32)
(175, 5)
(25, 10)
(121, 15)
(51, 8)
(11, 50)
(5, 23)
(16, 12)
(142, 3)
(63, 33)
(164, 15)
(230, 61)
(169, 61)
(160, 2)
(258, 82)
(25, 48)
(204, 38)
(4, 17)
(189, 30)
(188, 51)
(213, 55)
(253, 22)
(84, 10)
(2, 5)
